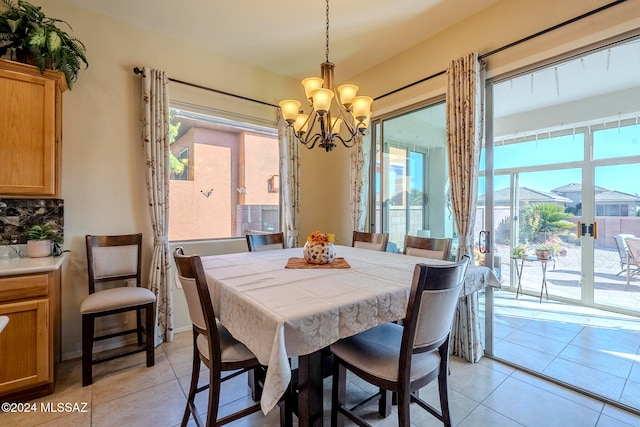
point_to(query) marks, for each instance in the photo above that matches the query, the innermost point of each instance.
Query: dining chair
(213, 346)
(265, 242)
(113, 262)
(633, 257)
(427, 247)
(373, 241)
(403, 358)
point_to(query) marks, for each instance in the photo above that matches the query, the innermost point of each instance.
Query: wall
(103, 177)
(103, 168)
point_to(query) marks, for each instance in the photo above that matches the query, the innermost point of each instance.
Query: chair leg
(254, 379)
(195, 376)
(338, 391)
(139, 325)
(149, 326)
(214, 397)
(87, 349)
(404, 416)
(444, 398)
(384, 404)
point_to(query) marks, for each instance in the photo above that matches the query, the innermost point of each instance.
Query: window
(224, 177)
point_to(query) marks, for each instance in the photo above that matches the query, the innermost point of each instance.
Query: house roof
(526, 194)
(576, 187)
(616, 196)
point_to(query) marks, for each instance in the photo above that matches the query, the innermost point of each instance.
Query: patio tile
(523, 356)
(621, 415)
(536, 342)
(631, 394)
(610, 363)
(607, 385)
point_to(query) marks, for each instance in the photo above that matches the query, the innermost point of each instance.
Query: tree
(175, 165)
(543, 217)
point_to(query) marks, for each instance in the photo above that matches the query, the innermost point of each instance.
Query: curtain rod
(512, 44)
(138, 70)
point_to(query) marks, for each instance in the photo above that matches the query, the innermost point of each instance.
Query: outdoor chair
(633, 257)
(622, 250)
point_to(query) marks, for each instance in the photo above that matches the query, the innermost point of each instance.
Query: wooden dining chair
(428, 247)
(213, 345)
(113, 262)
(265, 242)
(402, 359)
(373, 241)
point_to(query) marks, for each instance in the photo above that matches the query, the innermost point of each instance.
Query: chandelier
(329, 110)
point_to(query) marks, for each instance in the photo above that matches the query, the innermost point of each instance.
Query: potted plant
(40, 238)
(547, 249)
(31, 37)
(520, 251)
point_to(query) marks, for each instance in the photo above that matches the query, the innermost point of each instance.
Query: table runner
(302, 263)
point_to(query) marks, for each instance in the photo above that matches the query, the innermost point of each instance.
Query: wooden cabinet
(30, 130)
(30, 344)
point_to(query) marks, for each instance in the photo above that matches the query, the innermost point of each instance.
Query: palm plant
(27, 32)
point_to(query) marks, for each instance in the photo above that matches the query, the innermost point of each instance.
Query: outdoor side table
(543, 266)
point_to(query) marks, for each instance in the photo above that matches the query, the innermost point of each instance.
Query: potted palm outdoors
(29, 36)
(41, 237)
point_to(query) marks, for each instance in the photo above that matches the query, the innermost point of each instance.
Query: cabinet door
(27, 134)
(25, 345)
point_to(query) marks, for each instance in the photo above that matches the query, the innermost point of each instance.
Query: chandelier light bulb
(310, 84)
(290, 108)
(361, 107)
(347, 93)
(322, 100)
(302, 123)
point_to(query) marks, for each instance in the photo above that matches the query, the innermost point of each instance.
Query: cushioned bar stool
(113, 262)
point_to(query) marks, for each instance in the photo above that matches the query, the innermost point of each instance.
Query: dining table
(281, 307)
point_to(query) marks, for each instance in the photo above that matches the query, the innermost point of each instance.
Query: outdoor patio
(595, 350)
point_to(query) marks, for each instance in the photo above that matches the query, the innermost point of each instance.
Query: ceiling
(288, 36)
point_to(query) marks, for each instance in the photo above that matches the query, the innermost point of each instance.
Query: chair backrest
(428, 247)
(194, 284)
(633, 244)
(432, 302)
(265, 242)
(622, 246)
(113, 258)
(373, 241)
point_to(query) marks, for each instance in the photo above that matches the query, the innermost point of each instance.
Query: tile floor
(596, 350)
(127, 394)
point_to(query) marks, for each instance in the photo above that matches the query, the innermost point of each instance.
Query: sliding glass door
(411, 175)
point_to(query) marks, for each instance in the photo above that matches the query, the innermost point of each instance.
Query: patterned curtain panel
(289, 182)
(360, 159)
(155, 141)
(464, 139)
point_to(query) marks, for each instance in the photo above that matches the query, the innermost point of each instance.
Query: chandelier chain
(327, 33)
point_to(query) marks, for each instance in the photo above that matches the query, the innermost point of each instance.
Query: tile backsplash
(18, 215)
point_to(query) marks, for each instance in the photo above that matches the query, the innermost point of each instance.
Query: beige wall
(103, 168)
(103, 181)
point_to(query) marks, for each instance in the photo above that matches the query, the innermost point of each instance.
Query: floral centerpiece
(547, 249)
(319, 248)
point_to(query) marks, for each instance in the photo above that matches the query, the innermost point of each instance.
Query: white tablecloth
(279, 313)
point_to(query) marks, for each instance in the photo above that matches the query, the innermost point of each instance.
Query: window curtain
(464, 139)
(289, 182)
(155, 141)
(360, 159)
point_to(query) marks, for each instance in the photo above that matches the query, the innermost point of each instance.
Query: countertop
(26, 265)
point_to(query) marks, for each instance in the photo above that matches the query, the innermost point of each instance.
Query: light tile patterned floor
(127, 394)
(596, 350)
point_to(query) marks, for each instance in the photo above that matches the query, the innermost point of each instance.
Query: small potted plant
(29, 36)
(40, 240)
(520, 251)
(547, 249)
